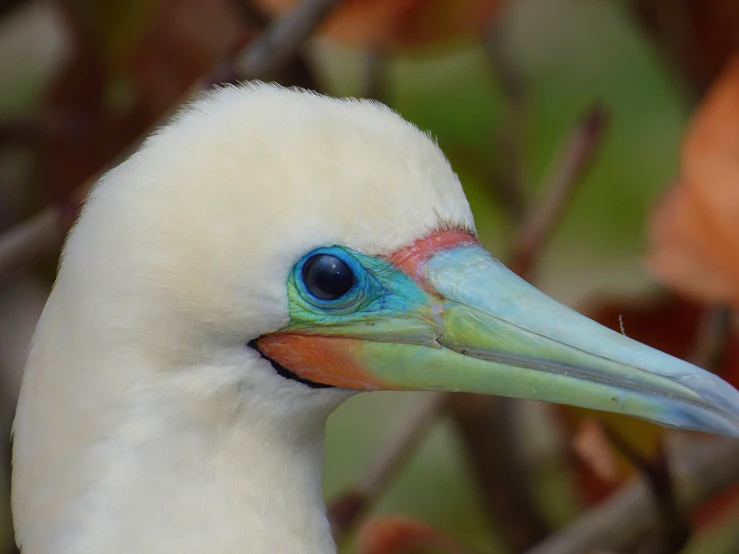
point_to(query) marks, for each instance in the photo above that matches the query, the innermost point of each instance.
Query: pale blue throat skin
(472, 325)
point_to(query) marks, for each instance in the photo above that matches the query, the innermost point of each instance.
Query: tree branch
(278, 45)
(703, 468)
(17, 132)
(668, 24)
(347, 509)
(673, 528)
(569, 172)
(715, 328)
(487, 427)
(33, 239)
(41, 235)
(375, 76)
(509, 186)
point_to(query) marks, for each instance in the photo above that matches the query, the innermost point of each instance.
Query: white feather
(145, 424)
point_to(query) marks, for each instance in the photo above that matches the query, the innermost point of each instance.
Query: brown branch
(278, 45)
(375, 76)
(490, 438)
(17, 132)
(8, 5)
(486, 423)
(508, 184)
(79, 33)
(713, 333)
(296, 69)
(41, 235)
(674, 529)
(347, 509)
(569, 173)
(703, 468)
(33, 239)
(249, 13)
(668, 24)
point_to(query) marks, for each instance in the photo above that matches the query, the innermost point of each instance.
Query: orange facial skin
(326, 360)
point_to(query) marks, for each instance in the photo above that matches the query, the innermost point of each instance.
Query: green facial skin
(482, 329)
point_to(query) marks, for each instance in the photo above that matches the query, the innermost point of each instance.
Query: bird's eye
(327, 277)
(333, 281)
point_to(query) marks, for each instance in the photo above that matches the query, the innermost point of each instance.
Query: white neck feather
(112, 457)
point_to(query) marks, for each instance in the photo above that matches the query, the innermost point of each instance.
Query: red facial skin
(412, 260)
(335, 360)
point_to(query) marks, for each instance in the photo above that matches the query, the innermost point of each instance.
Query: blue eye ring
(351, 298)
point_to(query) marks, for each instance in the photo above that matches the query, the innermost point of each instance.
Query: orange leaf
(680, 257)
(695, 232)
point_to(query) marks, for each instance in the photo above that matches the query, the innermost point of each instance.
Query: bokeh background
(83, 80)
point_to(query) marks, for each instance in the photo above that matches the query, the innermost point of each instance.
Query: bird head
(327, 246)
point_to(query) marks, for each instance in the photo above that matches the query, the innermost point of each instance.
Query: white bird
(260, 259)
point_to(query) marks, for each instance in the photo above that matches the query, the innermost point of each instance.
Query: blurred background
(572, 125)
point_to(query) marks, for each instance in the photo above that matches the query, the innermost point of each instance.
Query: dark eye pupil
(327, 277)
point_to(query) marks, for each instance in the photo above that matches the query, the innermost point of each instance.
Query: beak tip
(719, 411)
(707, 422)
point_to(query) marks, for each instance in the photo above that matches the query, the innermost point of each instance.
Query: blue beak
(497, 318)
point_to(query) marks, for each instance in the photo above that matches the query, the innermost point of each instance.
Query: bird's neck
(183, 462)
(228, 489)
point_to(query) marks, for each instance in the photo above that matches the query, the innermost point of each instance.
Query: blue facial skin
(381, 292)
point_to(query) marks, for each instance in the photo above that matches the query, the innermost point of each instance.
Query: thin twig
(402, 445)
(674, 529)
(249, 13)
(17, 132)
(40, 236)
(668, 24)
(511, 81)
(703, 468)
(508, 184)
(345, 511)
(570, 171)
(33, 239)
(713, 332)
(491, 442)
(274, 49)
(375, 76)
(80, 33)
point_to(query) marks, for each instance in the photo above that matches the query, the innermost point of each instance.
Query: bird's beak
(485, 330)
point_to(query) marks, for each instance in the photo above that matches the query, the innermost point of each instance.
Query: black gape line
(284, 372)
